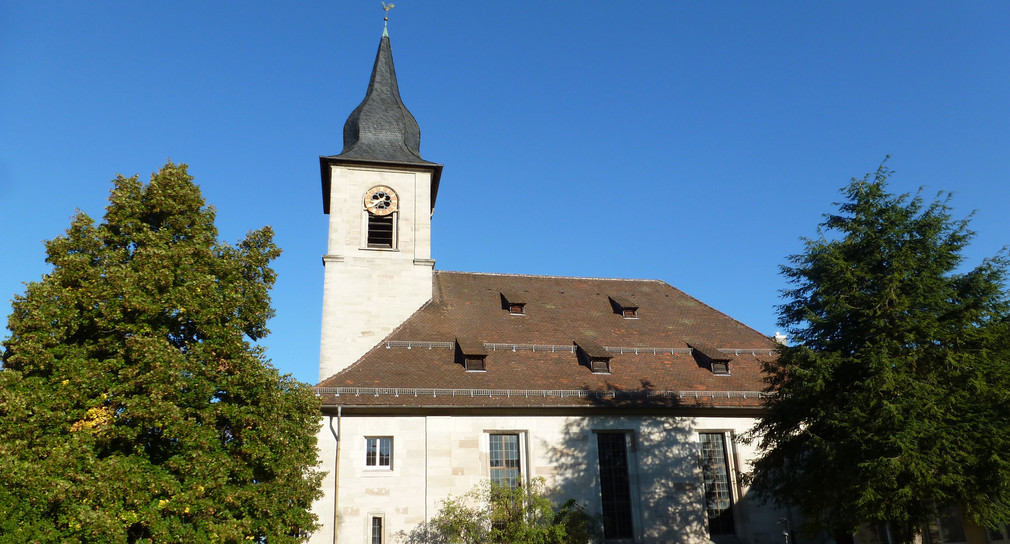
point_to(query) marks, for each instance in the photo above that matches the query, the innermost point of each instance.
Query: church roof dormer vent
(513, 302)
(593, 356)
(624, 307)
(471, 354)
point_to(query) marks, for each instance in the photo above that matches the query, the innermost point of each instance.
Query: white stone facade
(368, 292)
(434, 456)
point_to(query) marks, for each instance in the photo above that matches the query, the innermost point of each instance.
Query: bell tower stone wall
(367, 292)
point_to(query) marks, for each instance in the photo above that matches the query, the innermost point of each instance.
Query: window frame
(370, 528)
(366, 230)
(622, 522)
(521, 468)
(474, 363)
(1002, 530)
(373, 459)
(732, 487)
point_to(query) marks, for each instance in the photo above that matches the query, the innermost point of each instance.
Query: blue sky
(693, 142)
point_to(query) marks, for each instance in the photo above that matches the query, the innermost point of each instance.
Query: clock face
(380, 200)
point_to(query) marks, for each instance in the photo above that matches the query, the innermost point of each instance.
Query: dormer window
(591, 355)
(712, 358)
(474, 363)
(381, 210)
(471, 354)
(512, 302)
(624, 307)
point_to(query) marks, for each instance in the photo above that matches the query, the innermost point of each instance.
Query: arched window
(381, 209)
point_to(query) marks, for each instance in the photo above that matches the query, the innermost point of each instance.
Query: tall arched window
(381, 210)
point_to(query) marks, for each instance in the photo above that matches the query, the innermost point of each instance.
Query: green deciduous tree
(133, 405)
(894, 404)
(492, 513)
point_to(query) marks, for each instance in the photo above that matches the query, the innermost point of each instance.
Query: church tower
(379, 194)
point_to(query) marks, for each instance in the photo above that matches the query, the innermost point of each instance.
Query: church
(629, 396)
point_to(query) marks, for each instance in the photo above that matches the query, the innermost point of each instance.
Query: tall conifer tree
(893, 404)
(134, 406)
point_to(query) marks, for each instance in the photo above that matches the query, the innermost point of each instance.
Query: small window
(376, 530)
(720, 367)
(381, 231)
(474, 364)
(504, 459)
(624, 307)
(600, 366)
(379, 452)
(998, 534)
(517, 309)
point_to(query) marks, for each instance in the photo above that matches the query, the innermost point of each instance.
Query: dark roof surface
(381, 129)
(532, 359)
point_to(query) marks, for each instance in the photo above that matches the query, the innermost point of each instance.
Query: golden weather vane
(387, 7)
(385, 24)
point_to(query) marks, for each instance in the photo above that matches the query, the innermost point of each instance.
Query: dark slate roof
(381, 129)
(532, 358)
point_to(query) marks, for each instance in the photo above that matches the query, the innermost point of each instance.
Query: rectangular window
(379, 452)
(504, 457)
(718, 488)
(615, 495)
(381, 231)
(998, 534)
(376, 531)
(599, 366)
(950, 526)
(474, 364)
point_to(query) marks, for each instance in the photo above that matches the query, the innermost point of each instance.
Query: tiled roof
(532, 360)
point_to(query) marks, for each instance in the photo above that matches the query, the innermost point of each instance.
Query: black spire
(381, 128)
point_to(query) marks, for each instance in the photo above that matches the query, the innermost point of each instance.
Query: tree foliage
(133, 405)
(492, 513)
(895, 402)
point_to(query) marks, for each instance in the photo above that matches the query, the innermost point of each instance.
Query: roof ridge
(546, 276)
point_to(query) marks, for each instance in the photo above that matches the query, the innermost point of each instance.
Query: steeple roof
(381, 129)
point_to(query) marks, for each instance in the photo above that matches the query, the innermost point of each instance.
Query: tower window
(381, 231)
(381, 208)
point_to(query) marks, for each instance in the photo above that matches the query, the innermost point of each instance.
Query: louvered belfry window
(381, 231)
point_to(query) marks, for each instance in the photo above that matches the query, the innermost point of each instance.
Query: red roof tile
(532, 359)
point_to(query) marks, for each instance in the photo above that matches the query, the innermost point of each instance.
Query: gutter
(336, 472)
